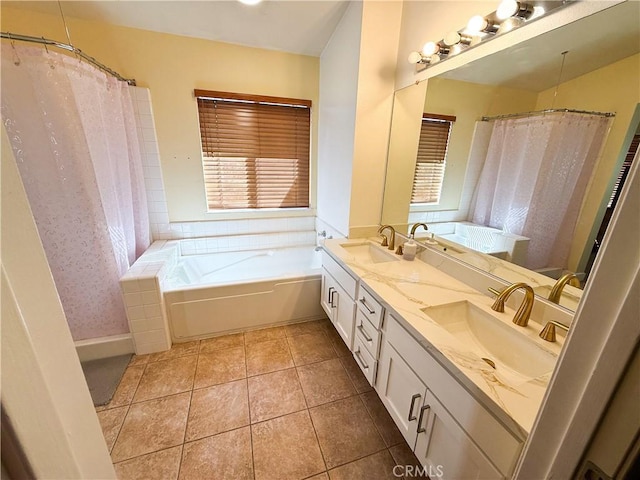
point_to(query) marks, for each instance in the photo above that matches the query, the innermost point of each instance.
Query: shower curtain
(74, 138)
(534, 179)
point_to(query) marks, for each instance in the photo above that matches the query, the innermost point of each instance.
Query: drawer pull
(331, 292)
(360, 359)
(364, 333)
(412, 417)
(422, 410)
(364, 302)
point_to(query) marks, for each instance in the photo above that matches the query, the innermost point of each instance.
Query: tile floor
(280, 403)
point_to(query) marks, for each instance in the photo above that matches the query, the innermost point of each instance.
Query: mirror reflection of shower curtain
(73, 133)
(534, 179)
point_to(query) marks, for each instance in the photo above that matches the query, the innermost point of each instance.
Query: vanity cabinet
(338, 292)
(448, 429)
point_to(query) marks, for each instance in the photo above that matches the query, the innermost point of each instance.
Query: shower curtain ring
(16, 57)
(45, 44)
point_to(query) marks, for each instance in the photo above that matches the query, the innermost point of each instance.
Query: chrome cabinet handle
(364, 333)
(332, 292)
(412, 417)
(360, 360)
(364, 302)
(422, 410)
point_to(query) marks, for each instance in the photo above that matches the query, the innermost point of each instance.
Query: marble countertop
(406, 287)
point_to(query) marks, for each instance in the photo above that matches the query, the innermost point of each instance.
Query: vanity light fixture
(509, 15)
(250, 2)
(512, 8)
(479, 25)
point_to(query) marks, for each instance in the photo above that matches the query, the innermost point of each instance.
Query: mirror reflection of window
(431, 158)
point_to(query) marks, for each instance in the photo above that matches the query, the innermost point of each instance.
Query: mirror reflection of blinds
(255, 150)
(432, 153)
(624, 171)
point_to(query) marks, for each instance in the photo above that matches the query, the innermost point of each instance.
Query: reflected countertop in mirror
(601, 73)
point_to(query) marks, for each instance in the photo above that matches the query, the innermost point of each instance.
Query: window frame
(257, 211)
(438, 151)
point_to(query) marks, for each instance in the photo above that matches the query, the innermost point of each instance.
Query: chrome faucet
(521, 318)
(416, 225)
(392, 237)
(556, 291)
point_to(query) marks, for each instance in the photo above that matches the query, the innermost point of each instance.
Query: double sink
(514, 354)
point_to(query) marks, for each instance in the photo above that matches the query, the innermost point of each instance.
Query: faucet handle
(548, 333)
(385, 242)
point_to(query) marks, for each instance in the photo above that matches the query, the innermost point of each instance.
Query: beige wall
(614, 88)
(172, 67)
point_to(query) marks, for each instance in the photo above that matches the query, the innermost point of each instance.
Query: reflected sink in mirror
(369, 253)
(489, 337)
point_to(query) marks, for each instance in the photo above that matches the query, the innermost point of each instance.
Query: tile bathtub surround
(276, 419)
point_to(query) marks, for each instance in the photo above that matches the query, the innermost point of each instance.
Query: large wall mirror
(569, 198)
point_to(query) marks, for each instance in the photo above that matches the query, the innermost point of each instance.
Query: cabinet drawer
(368, 305)
(495, 440)
(365, 360)
(346, 281)
(369, 335)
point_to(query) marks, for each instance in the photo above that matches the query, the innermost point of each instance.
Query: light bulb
(477, 24)
(430, 48)
(506, 9)
(509, 24)
(250, 2)
(451, 38)
(415, 57)
(435, 58)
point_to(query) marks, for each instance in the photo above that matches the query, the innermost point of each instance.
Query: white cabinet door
(344, 316)
(401, 390)
(328, 289)
(445, 450)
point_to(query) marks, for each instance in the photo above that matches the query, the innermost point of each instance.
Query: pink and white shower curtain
(73, 133)
(534, 180)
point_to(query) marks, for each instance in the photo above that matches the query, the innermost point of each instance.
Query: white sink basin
(369, 253)
(489, 338)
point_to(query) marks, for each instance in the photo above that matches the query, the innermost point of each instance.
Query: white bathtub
(218, 293)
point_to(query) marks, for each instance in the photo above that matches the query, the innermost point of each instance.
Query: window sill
(261, 213)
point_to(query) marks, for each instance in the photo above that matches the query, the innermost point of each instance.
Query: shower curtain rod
(543, 112)
(70, 48)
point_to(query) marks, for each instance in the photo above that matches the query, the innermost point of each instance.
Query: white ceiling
(295, 26)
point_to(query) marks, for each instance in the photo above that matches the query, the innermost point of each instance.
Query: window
(432, 152)
(255, 150)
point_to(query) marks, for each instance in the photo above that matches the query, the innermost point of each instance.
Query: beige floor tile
(355, 374)
(220, 343)
(263, 335)
(265, 357)
(404, 456)
(162, 465)
(275, 394)
(152, 426)
(336, 341)
(325, 382)
(345, 431)
(302, 328)
(286, 448)
(310, 348)
(167, 377)
(223, 456)
(111, 421)
(379, 466)
(218, 409)
(139, 360)
(177, 350)
(220, 367)
(127, 387)
(320, 476)
(381, 419)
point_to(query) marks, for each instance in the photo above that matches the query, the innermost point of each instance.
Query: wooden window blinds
(432, 152)
(255, 150)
